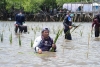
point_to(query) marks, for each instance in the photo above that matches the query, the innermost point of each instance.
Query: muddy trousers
(67, 34)
(97, 32)
(18, 27)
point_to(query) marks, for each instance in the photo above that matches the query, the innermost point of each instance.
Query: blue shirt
(20, 18)
(67, 22)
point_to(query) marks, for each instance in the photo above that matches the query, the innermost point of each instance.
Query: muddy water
(82, 51)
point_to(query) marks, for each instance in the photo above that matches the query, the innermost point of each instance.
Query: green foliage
(27, 5)
(49, 3)
(33, 5)
(13, 4)
(2, 5)
(57, 35)
(61, 2)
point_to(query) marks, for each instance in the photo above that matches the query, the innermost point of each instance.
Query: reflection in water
(46, 55)
(69, 53)
(97, 39)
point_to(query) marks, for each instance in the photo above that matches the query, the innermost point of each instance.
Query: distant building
(77, 7)
(96, 0)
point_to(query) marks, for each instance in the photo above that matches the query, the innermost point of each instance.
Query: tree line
(33, 5)
(30, 6)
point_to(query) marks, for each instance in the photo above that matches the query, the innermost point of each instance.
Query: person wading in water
(97, 25)
(67, 26)
(20, 18)
(44, 42)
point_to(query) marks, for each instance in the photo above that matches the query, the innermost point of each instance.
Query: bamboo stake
(88, 45)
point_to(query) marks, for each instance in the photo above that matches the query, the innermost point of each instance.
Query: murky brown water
(75, 53)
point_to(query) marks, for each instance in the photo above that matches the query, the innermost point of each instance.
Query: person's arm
(69, 19)
(53, 46)
(93, 23)
(64, 23)
(36, 44)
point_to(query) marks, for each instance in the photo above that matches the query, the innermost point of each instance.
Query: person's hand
(16, 24)
(40, 51)
(76, 26)
(53, 48)
(53, 45)
(70, 27)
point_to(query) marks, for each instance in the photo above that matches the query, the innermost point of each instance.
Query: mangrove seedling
(9, 28)
(56, 38)
(2, 37)
(19, 40)
(31, 43)
(81, 33)
(10, 38)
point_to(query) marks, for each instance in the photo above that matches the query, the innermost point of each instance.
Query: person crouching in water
(20, 18)
(97, 25)
(44, 42)
(67, 26)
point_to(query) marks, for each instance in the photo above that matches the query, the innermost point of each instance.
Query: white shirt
(36, 43)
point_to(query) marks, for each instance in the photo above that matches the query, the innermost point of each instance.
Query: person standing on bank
(44, 42)
(97, 25)
(20, 19)
(67, 26)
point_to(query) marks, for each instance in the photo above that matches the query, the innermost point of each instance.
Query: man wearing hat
(43, 42)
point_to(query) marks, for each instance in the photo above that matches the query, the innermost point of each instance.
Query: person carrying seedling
(44, 42)
(67, 26)
(20, 19)
(97, 25)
